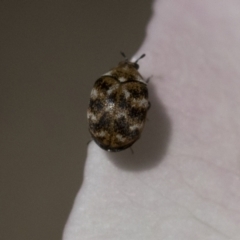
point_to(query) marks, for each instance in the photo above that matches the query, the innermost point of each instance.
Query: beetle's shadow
(150, 149)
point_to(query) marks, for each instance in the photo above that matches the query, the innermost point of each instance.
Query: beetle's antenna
(142, 56)
(123, 54)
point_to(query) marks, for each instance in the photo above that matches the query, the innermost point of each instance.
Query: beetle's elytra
(118, 107)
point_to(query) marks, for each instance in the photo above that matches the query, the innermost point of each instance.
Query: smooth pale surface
(183, 181)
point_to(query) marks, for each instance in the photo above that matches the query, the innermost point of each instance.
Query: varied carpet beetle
(118, 107)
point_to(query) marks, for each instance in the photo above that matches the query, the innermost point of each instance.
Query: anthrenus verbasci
(118, 107)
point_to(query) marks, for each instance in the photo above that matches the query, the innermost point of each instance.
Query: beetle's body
(118, 107)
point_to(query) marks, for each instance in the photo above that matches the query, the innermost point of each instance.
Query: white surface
(183, 180)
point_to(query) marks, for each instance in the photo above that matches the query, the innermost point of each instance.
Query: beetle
(118, 106)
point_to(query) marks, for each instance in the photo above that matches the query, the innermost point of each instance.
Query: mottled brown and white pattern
(118, 107)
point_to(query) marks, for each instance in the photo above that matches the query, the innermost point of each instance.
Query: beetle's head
(132, 64)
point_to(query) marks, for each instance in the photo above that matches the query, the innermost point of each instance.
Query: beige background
(51, 54)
